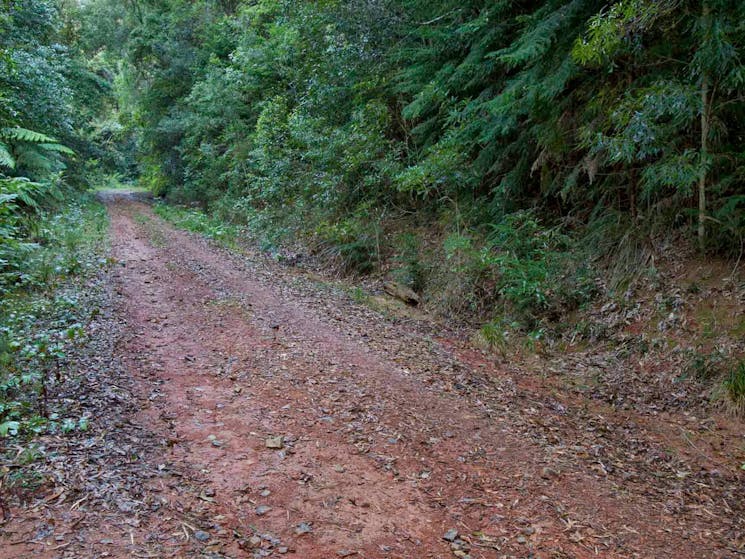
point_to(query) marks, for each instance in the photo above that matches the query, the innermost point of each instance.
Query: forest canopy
(316, 112)
(509, 130)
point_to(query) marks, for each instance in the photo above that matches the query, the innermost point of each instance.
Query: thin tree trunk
(704, 163)
(633, 190)
(705, 107)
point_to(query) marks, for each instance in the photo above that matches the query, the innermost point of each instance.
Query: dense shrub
(519, 134)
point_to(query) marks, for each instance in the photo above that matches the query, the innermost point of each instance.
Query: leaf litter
(444, 449)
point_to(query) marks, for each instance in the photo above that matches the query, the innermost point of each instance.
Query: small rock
(275, 442)
(284, 549)
(261, 510)
(271, 539)
(254, 541)
(548, 473)
(522, 539)
(201, 536)
(339, 469)
(345, 553)
(265, 493)
(303, 528)
(450, 535)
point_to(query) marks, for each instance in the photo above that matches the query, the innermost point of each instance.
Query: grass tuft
(734, 387)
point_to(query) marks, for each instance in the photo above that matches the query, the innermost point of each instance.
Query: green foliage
(522, 127)
(497, 334)
(50, 94)
(727, 370)
(42, 320)
(41, 248)
(21, 201)
(705, 366)
(729, 237)
(523, 269)
(352, 243)
(410, 269)
(293, 115)
(199, 222)
(31, 151)
(611, 30)
(531, 260)
(734, 385)
(22, 135)
(6, 159)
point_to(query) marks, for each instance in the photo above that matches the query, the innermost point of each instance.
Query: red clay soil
(288, 419)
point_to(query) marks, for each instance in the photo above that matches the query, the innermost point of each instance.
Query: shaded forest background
(493, 155)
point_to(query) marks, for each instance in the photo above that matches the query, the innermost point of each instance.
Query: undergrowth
(734, 386)
(521, 272)
(197, 221)
(723, 371)
(42, 320)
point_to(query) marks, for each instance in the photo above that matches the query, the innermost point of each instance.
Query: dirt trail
(389, 438)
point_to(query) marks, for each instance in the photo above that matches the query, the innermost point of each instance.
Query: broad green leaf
(9, 428)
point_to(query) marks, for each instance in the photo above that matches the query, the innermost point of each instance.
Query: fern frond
(6, 159)
(6, 199)
(22, 190)
(59, 148)
(26, 192)
(24, 135)
(31, 158)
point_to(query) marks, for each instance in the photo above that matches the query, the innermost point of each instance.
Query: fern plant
(20, 197)
(6, 159)
(34, 151)
(17, 197)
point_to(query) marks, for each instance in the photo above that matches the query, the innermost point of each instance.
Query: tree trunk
(705, 110)
(633, 191)
(704, 163)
